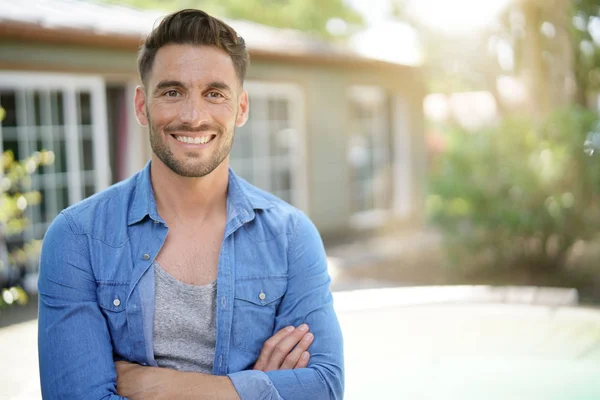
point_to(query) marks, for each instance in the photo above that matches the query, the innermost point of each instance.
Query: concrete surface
(396, 348)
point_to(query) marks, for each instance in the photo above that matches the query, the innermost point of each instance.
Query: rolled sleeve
(254, 385)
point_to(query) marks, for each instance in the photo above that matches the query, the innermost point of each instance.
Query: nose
(192, 112)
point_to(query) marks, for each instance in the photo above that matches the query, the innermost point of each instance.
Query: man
(185, 281)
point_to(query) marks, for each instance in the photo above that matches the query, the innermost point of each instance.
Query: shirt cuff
(254, 385)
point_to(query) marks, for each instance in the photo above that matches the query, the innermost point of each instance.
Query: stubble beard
(187, 167)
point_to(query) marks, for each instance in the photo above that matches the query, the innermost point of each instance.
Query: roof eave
(29, 32)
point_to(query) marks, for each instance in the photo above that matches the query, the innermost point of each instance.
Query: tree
(520, 195)
(15, 198)
(586, 50)
(304, 15)
(552, 47)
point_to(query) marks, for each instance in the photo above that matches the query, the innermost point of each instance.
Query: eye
(215, 95)
(171, 93)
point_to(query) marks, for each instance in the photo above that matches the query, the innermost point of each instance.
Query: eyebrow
(220, 85)
(167, 84)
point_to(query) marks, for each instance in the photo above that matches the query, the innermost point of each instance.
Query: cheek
(222, 112)
(162, 114)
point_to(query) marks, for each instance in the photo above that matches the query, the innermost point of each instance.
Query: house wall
(327, 169)
(326, 108)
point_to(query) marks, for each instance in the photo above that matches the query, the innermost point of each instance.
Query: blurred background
(447, 151)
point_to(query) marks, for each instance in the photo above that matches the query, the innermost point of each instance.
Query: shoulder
(276, 216)
(271, 207)
(103, 214)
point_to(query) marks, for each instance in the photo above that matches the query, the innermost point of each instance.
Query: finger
(294, 357)
(303, 362)
(281, 351)
(269, 346)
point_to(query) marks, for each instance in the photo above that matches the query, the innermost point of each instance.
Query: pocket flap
(112, 297)
(261, 291)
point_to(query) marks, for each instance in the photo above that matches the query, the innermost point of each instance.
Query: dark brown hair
(197, 28)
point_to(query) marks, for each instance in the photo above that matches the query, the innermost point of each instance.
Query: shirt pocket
(112, 299)
(254, 311)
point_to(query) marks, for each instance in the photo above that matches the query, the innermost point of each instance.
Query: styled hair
(193, 27)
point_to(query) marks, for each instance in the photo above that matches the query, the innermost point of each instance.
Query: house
(335, 133)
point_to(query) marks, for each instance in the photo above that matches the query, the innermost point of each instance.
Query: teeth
(196, 140)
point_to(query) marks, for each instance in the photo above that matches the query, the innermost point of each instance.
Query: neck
(180, 198)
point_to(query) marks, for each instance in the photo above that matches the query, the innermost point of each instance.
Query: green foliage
(586, 50)
(15, 198)
(305, 15)
(518, 195)
(13, 295)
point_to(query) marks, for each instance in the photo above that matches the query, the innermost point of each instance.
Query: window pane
(87, 154)
(89, 190)
(244, 168)
(37, 109)
(264, 149)
(48, 195)
(277, 109)
(242, 143)
(60, 155)
(7, 101)
(10, 144)
(57, 108)
(62, 198)
(280, 178)
(281, 139)
(369, 147)
(85, 108)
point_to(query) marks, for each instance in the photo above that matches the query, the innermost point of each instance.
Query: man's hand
(279, 352)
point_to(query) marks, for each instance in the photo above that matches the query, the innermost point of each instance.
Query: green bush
(518, 195)
(16, 197)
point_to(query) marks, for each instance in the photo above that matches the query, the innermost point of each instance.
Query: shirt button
(262, 296)
(146, 257)
(116, 302)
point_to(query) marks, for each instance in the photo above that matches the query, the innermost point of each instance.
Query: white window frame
(403, 171)
(295, 96)
(68, 85)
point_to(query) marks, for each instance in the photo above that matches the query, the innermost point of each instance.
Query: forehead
(192, 64)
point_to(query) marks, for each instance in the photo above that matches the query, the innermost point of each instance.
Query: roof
(93, 23)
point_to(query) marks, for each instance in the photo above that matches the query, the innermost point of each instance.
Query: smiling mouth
(194, 140)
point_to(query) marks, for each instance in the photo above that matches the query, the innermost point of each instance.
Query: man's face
(191, 104)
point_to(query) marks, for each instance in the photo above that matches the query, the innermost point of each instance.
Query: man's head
(192, 68)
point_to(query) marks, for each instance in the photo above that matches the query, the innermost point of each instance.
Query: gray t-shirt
(184, 323)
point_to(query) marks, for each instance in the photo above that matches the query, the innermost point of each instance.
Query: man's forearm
(195, 386)
(137, 382)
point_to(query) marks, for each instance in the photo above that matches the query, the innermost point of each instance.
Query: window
(370, 149)
(269, 149)
(63, 114)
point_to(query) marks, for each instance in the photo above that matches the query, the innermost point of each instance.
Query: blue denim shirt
(96, 293)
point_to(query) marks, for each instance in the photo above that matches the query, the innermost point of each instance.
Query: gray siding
(326, 110)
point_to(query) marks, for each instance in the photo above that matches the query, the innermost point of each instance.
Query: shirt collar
(242, 199)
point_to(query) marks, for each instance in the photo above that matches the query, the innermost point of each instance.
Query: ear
(243, 109)
(140, 106)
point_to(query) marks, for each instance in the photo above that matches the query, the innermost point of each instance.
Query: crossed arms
(284, 350)
(76, 348)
